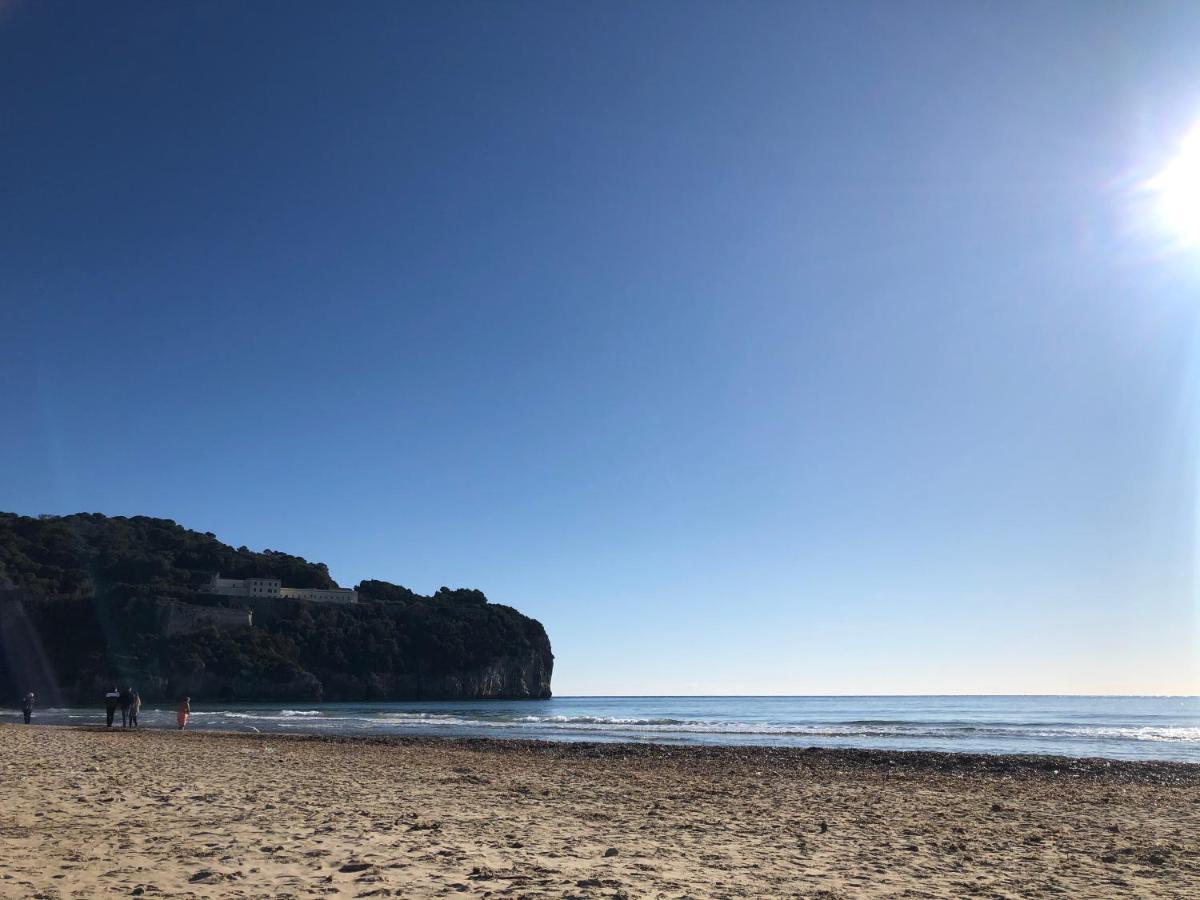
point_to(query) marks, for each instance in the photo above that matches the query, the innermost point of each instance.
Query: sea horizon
(803, 696)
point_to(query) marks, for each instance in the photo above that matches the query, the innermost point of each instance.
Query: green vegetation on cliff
(87, 601)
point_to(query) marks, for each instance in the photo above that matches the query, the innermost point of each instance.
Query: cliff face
(22, 660)
(521, 675)
(525, 677)
(509, 677)
(88, 602)
(72, 651)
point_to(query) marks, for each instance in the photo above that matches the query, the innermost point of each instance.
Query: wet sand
(92, 813)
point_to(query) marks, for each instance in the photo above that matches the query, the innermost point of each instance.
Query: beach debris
(824, 826)
(611, 851)
(598, 882)
(354, 867)
(485, 873)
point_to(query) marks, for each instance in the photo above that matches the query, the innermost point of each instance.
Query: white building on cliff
(271, 587)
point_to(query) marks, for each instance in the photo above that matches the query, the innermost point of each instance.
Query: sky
(770, 348)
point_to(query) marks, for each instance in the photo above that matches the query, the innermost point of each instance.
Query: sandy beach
(92, 813)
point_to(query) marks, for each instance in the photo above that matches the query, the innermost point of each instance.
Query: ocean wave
(1129, 729)
(649, 726)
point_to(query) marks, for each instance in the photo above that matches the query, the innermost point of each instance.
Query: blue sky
(753, 348)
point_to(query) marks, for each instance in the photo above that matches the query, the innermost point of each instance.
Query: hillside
(87, 601)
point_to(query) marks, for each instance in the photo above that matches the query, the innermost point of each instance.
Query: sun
(1177, 189)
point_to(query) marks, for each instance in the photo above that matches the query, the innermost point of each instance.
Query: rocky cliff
(89, 601)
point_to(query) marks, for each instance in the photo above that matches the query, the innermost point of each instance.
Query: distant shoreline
(845, 760)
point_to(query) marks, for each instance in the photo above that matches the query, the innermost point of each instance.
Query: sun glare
(1177, 188)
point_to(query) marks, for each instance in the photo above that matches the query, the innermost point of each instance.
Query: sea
(1154, 728)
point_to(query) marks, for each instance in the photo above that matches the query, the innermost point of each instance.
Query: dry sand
(90, 813)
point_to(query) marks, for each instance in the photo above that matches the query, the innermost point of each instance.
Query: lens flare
(1177, 189)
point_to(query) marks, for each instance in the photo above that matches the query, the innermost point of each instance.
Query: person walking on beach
(135, 706)
(126, 702)
(111, 699)
(181, 714)
(27, 707)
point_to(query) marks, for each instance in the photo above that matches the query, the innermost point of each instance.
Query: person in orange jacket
(181, 714)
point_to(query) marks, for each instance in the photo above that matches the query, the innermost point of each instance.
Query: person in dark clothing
(27, 707)
(111, 700)
(126, 702)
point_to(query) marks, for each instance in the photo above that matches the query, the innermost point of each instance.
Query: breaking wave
(1132, 728)
(384, 721)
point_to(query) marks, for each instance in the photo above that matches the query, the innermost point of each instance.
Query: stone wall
(183, 618)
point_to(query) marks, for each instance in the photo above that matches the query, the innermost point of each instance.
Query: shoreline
(1104, 728)
(99, 812)
(862, 759)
